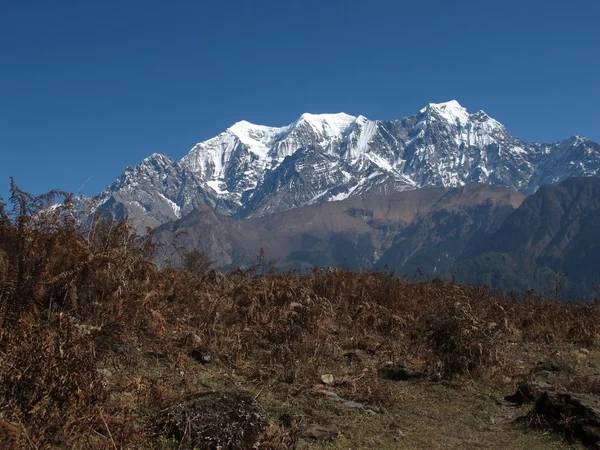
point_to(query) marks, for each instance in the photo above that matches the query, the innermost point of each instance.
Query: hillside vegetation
(100, 349)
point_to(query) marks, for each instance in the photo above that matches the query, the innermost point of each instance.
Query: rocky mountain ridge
(253, 170)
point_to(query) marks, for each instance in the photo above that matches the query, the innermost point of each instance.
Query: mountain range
(443, 193)
(254, 170)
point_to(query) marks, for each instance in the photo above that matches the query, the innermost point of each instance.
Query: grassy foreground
(97, 344)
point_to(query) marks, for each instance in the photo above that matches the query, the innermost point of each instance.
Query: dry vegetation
(95, 346)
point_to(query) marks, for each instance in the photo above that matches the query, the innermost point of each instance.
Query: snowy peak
(252, 170)
(256, 138)
(327, 124)
(245, 129)
(451, 112)
(449, 105)
(576, 140)
(470, 130)
(454, 113)
(158, 158)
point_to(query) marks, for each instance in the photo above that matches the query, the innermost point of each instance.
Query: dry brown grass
(91, 348)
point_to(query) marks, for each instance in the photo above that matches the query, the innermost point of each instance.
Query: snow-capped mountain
(156, 191)
(253, 170)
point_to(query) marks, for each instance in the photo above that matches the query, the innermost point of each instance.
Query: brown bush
(50, 386)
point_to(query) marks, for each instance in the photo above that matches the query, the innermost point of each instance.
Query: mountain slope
(463, 218)
(476, 233)
(156, 191)
(253, 170)
(554, 231)
(354, 232)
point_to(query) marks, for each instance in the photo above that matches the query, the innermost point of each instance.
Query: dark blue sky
(87, 88)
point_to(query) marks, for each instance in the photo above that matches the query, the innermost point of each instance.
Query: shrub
(49, 383)
(197, 262)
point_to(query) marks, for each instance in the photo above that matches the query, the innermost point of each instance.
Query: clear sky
(87, 88)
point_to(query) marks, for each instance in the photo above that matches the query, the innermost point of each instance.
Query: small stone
(528, 391)
(105, 373)
(191, 340)
(319, 433)
(551, 366)
(349, 404)
(88, 329)
(327, 393)
(327, 379)
(202, 355)
(352, 356)
(287, 420)
(156, 355)
(577, 415)
(399, 372)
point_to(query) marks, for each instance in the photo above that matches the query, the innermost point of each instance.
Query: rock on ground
(215, 420)
(575, 415)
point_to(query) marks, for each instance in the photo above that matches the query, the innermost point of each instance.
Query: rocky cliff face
(156, 191)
